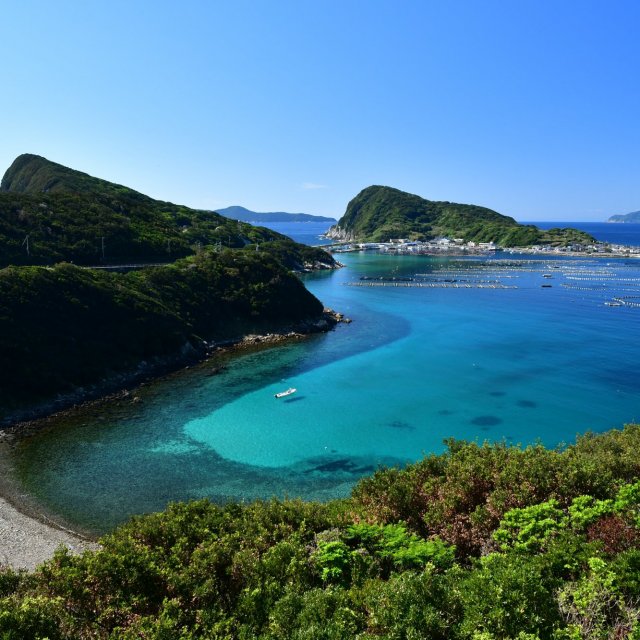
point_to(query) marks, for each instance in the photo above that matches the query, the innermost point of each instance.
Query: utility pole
(102, 244)
(26, 242)
(169, 245)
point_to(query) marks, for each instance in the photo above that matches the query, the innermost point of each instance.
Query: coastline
(120, 385)
(619, 252)
(28, 534)
(27, 541)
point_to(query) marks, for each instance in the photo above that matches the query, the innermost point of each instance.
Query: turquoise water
(418, 364)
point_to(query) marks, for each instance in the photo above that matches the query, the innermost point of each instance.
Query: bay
(463, 355)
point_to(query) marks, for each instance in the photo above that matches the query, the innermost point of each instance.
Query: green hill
(246, 215)
(379, 213)
(50, 213)
(65, 327)
(634, 216)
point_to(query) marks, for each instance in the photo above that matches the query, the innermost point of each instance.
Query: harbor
(457, 247)
(613, 283)
(430, 285)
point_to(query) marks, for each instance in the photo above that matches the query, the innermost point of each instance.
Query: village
(458, 247)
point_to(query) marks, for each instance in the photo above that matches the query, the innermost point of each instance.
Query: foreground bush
(549, 550)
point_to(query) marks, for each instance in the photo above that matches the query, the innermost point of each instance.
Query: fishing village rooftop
(457, 246)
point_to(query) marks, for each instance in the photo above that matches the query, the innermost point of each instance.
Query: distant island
(634, 216)
(380, 213)
(240, 213)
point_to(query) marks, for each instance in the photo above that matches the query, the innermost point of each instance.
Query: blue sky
(530, 108)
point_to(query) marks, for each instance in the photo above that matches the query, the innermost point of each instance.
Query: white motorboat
(288, 392)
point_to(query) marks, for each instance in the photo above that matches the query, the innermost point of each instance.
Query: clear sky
(530, 107)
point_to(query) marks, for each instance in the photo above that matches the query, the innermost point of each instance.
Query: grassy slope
(379, 213)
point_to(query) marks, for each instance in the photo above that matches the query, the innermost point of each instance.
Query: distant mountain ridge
(245, 215)
(634, 216)
(380, 213)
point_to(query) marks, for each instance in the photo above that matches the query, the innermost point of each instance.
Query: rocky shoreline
(191, 353)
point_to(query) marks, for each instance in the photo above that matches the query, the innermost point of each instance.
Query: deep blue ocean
(506, 349)
(305, 232)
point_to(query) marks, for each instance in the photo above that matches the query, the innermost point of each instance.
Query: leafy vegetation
(64, 327)
(378, 214)
(482, 542)
(50, 213)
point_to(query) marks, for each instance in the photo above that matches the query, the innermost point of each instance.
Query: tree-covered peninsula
(378, 214)
(483, 542)
(64, 327)
(50, 213)
(68, 329)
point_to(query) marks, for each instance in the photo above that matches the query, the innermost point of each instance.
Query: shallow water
(416, 366)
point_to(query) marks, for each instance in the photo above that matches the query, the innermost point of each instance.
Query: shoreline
(120, 385)
(542, 254)
(29, 535)
(27, 541)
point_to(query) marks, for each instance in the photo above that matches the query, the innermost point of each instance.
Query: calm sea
(480, 350)
(305, 232)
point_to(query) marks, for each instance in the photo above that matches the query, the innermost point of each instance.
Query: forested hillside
(480, 543)
(50, 213)
(64, 327)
